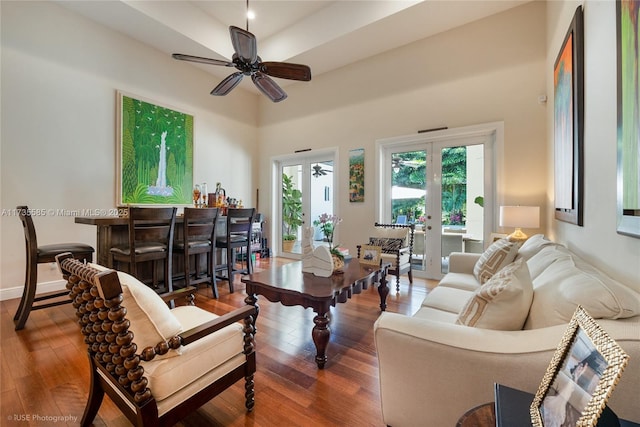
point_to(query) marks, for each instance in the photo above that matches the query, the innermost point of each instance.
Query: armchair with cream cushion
(396, 242)
(500, 326)
(157, 364)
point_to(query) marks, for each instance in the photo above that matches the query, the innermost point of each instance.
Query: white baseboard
(44, 287)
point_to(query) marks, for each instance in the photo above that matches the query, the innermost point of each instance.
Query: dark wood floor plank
(44, 367)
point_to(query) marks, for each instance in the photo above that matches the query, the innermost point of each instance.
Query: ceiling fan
(318, 171)
(248, 63)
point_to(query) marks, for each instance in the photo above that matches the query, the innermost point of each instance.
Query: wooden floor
(44, 377)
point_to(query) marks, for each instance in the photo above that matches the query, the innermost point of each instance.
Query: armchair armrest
(194, 334)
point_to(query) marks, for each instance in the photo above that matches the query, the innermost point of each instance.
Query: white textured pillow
(501, 253)
(533, 245)
(150, 317)
(569, 282)
(503, 302)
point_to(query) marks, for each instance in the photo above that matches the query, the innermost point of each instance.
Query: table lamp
(519, 217)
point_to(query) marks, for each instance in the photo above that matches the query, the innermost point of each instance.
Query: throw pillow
(501, 253)
(570, 281)
(503, 302)
(387, 245)
(533, 245)
(151, 319)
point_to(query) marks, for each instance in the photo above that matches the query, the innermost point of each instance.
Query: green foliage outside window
(410, 172)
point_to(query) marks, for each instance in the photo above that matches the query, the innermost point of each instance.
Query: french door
(314, 179)
(440, 186)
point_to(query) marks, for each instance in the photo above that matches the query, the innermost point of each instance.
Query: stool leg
(28, 294)
(211, 267)
(231, 255)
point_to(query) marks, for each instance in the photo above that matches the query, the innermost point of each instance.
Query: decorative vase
(287, 245)
(338, 263)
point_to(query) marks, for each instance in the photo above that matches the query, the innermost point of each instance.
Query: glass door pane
(320, 199)
(291, 208)
(408, 197)
(307, 192)
(462, 188)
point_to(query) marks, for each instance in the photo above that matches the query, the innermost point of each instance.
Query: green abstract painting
(155, 154)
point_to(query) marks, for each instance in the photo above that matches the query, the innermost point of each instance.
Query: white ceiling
(323, 34)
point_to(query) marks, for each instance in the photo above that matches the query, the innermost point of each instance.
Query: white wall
(597, 241)
(490, 70)
(60, 73)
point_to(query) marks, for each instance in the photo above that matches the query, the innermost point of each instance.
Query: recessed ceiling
(325, 35)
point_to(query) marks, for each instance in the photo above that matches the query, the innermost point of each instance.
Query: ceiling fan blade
(225, 86)
(268, 87)
(244, 43)
(286, 70)
(202, 60)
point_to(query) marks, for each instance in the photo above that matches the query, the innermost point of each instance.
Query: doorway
(306, 183)
(440, 182)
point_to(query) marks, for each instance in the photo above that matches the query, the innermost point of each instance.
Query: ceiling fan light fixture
(248, 63)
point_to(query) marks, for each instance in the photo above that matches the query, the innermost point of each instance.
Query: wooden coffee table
(288, 285)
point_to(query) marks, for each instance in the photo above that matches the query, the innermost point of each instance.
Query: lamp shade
(520, 216)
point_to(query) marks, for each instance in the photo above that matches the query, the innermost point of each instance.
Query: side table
(481, 416)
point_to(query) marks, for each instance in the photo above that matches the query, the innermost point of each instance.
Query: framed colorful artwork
(356, 175)
(568, 83)
(581, 376)
(154, 153)
(628, 209)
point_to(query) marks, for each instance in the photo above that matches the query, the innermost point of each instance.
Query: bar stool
(150, 239)
(199, 237)
(237, 236)
(40, 255)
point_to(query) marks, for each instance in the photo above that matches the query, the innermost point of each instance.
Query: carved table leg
(383, 289)
(320, 335)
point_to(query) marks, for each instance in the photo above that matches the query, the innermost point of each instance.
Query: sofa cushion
(151, 319)
(404, 258)
(388, 245)
(451, 300)
(533, 245)
(501, 253)
(545, 257)
(570, 281)
(502, 302)
(459, 280)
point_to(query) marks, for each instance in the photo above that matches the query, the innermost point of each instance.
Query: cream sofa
(433, 368)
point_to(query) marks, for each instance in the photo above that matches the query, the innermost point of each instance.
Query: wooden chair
(150, 239)
(39, 255)
(199, 237)
(237, 236)
(187, 355)
(396, 242)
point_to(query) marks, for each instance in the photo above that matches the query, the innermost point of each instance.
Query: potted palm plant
(291, 212)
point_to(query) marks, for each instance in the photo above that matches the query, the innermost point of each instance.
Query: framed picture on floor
(154, 153)
(568, 124)
(581, 376)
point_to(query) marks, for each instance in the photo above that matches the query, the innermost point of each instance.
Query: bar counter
(113, 230)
